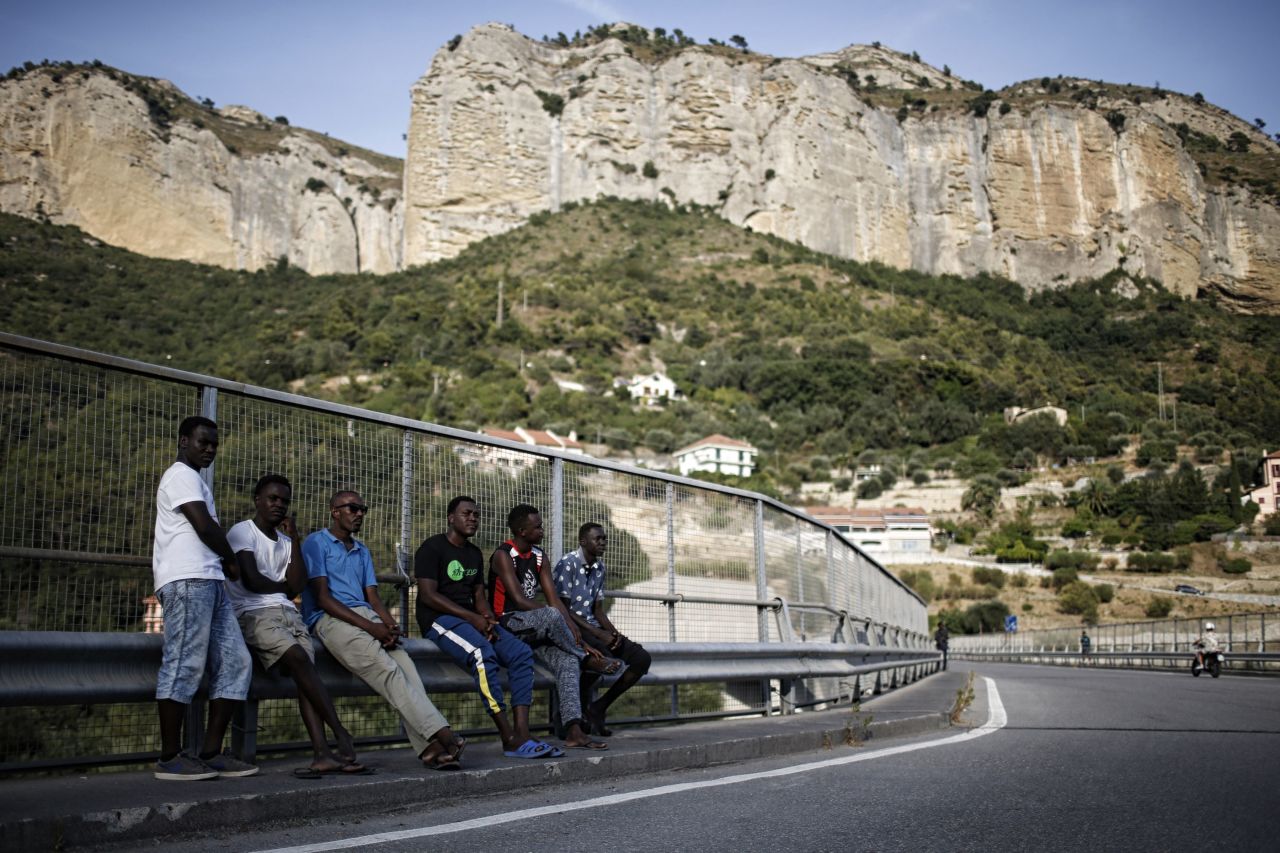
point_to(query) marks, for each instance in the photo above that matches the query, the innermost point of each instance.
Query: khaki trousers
(391, 674)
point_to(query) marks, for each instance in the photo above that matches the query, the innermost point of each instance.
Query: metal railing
(1251, 642)
(84, 438)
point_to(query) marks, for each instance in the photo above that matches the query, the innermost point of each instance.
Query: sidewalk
(129, 808)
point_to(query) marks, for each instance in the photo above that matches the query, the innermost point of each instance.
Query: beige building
(1266, 495)
(890, 534)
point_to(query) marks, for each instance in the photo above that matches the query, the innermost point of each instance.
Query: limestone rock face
(83, 150)
(1046, 196)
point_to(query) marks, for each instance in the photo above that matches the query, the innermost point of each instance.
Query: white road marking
(996, 720)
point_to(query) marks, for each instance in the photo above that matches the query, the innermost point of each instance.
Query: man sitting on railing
(454, 614)
(579, 583)
(273, 627)
(516, 575)
(341, 606)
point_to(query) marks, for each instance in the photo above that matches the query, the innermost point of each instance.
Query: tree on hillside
(739, 42)
(982, 497)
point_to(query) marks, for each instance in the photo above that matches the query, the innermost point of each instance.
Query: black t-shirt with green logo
(456, 571)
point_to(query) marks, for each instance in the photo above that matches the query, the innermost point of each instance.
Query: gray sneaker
(184, 768)
(226, 764)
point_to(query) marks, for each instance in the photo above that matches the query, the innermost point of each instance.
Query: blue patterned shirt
(579, 583)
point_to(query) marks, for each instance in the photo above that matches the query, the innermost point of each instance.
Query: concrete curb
(391, 790)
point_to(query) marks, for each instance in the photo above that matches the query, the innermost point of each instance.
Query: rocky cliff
(864, 153)
(137, 163)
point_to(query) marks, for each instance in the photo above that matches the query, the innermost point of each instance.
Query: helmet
(1208, 626)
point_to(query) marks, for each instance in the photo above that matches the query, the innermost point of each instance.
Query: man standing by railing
(189, 561)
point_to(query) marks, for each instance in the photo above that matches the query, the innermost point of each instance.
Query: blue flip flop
(530, 749)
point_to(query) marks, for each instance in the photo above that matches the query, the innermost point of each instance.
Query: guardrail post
(804, 634)
(406, 523)
(557, 506)
(244, 730)
(671, 584)
(208, 409)
(193, 725)
(762, 589)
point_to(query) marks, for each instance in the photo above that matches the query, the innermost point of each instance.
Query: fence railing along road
(1251, 642)
(84, 438)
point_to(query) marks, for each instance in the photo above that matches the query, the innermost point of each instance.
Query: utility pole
(1160, 390)
(500, 308)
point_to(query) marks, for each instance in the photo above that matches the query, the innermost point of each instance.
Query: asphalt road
(1087, 760)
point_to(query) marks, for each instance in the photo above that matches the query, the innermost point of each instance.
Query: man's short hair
(456, 502)
(519, 516)
(269, 479)
(334, 500)
(188, 427)
(587, 528)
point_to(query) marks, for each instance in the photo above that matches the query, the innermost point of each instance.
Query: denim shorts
(201, 636)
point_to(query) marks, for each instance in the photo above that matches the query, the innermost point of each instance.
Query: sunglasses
(358, 508)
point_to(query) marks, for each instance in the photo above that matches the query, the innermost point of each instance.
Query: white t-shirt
(178, 553)
(272, 558)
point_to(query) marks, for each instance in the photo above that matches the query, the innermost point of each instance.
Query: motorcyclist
(1206, 642)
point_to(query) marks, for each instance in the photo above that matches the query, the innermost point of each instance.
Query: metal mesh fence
(1240, 633)
(84, 440)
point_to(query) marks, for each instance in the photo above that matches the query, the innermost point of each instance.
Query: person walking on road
(942, 640)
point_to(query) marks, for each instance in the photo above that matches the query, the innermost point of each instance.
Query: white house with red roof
(652, 388)
(717, 454)
(1268, 494)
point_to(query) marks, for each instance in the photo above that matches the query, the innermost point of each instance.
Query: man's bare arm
(215, 538)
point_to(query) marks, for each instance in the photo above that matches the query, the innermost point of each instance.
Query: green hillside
(812, 358)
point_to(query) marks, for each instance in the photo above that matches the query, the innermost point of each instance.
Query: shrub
(1078, 597)
(994, 577)
(1018, 552)
(1076, 528)
(552, 103)
(1235, 566)
(1105, 592)
(920, 478)
(1271, 527)
(1019, 580)
(1074, 560)
(922, 582)
(1159, 607)
(649, 170)
(870, 489)
(1065, 576)
(1151, 562)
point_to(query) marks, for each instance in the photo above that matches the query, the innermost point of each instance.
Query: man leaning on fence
(272, 626)
(190, 559)
(342, 608)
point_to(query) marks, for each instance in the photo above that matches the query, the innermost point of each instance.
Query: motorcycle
(1212, 662)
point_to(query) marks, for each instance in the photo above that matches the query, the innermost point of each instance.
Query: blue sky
(346, 68)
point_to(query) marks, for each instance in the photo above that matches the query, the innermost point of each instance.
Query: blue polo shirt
(349, 572)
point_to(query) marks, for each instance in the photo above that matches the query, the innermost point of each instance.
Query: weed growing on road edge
(964, 698)
(859, 735)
